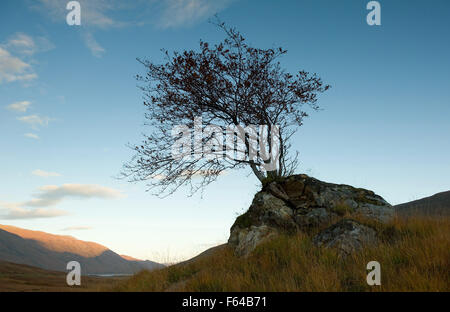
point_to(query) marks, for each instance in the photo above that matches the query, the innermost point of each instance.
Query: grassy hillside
(19, 277)
(414, 256)
(436, 205)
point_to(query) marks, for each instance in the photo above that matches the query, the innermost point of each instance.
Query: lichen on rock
(346, 236)
(301, 203)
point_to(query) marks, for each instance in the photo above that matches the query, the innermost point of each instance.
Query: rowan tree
(229, 83)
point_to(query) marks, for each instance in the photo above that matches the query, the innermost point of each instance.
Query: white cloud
(19, 106)
(77, 228)
(96, 49)
(21, 213)
(35, 120)
(31, 136)
(14, 69)
(45, 174)
(16, 211)
(51, 194)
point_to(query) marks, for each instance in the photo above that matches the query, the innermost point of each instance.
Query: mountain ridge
(53, 252)
(434, 205)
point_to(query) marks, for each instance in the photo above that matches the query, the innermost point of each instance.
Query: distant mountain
(129, 258)
(53, 252)
(436, 205)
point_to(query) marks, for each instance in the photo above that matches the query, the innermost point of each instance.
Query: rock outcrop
(302, 203)
(346, 236)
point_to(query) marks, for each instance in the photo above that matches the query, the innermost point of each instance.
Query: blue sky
(69, 105)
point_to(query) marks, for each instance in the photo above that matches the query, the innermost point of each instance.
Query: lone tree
(220, 93)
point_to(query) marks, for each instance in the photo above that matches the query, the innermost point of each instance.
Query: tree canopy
(226, 97)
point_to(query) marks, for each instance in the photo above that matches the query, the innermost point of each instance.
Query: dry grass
(23, 278)
(414, 256)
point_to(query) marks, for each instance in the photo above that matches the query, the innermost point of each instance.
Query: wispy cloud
(51, 195)
(185, 12)
(16, 211)
(35, 121)
(102, 14)
(31, 136)
(45, 174)
(14, 50)
(24, 44)
(94, 13)
(21, 107)
(77, 228)
(96, 49)
(13, 68)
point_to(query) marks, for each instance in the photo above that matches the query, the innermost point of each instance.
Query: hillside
(303, 234)
(414, 258)
(53, 252)
(20, 277)
(436, 205)
(58, 243)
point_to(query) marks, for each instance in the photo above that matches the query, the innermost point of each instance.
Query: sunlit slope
(53, 252)
(58, 243)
